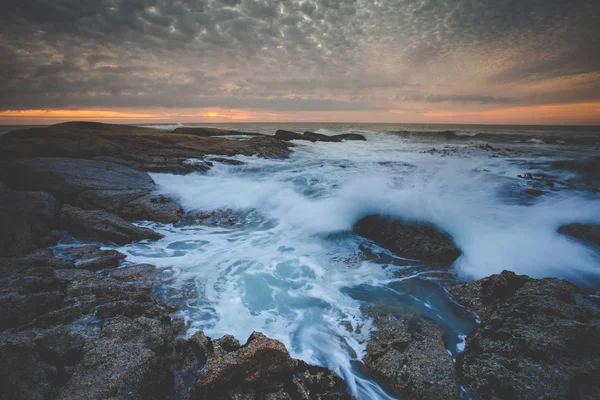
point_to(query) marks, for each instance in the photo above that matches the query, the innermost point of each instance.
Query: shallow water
(291, 268)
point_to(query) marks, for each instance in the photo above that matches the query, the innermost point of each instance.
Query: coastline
(83, 320)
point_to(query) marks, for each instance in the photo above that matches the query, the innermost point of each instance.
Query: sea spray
(291, 268)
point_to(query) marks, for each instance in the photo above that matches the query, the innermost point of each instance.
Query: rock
(94, 184)
(204, 131)
(133, 205)
(99, 225)
(212, 218)
(27, 219)
(585, 232)
(408, 353)
(34, 363)
(228, 161)
(68, 177)
(262, 369)
(142, 274)
(288, 135)
(145, 149)
(534, 192)
(420, 241)
(92, 257)
(317, 137)
(126, 362)
(349, 136)
(537, 339)
(27, 290)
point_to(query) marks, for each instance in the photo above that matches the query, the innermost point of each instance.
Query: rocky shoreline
(79, 322)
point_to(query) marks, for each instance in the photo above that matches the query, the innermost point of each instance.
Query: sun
(212, 114)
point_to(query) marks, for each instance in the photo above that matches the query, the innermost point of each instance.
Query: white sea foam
(284, 268)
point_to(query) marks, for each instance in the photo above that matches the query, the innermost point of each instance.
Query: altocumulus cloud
(294, 55)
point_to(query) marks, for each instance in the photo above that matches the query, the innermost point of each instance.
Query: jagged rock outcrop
(263, 369)
(408, 353)
(419, 241)
(538, 338)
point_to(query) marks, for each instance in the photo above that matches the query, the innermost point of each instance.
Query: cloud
(296, 55)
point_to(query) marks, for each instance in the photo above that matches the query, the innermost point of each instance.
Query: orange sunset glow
(559, 114)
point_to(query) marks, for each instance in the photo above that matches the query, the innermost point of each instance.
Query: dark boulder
(349, 136)
(99, 225)
(27, 219)
(419, 241)
(317, 137)
(537, 339)
(587, 233)
(408, 353)
(288, 135)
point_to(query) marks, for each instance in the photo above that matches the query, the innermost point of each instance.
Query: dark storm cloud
(294, 55)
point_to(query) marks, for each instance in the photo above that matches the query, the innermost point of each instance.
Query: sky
(421, 61)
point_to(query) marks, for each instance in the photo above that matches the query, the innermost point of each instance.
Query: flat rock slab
(67, 177)
(538, 338)
(418, 241)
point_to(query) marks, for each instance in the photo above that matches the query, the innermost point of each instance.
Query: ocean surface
(290, 266)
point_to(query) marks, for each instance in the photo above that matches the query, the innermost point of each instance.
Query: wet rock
(261, 369)
(142, 274)
(585, 232)
(420, 241)
(27, 219)
(537, 339)
(212, 218)
(349, 136)
(408, 353)
(317, 137)
(282, 134)
(92, 257)
(133, 205)
(228, 161)
(99, 225)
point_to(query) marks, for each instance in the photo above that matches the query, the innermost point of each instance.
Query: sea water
(291, 267)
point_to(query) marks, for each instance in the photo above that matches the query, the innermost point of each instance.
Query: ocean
(290, 266)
